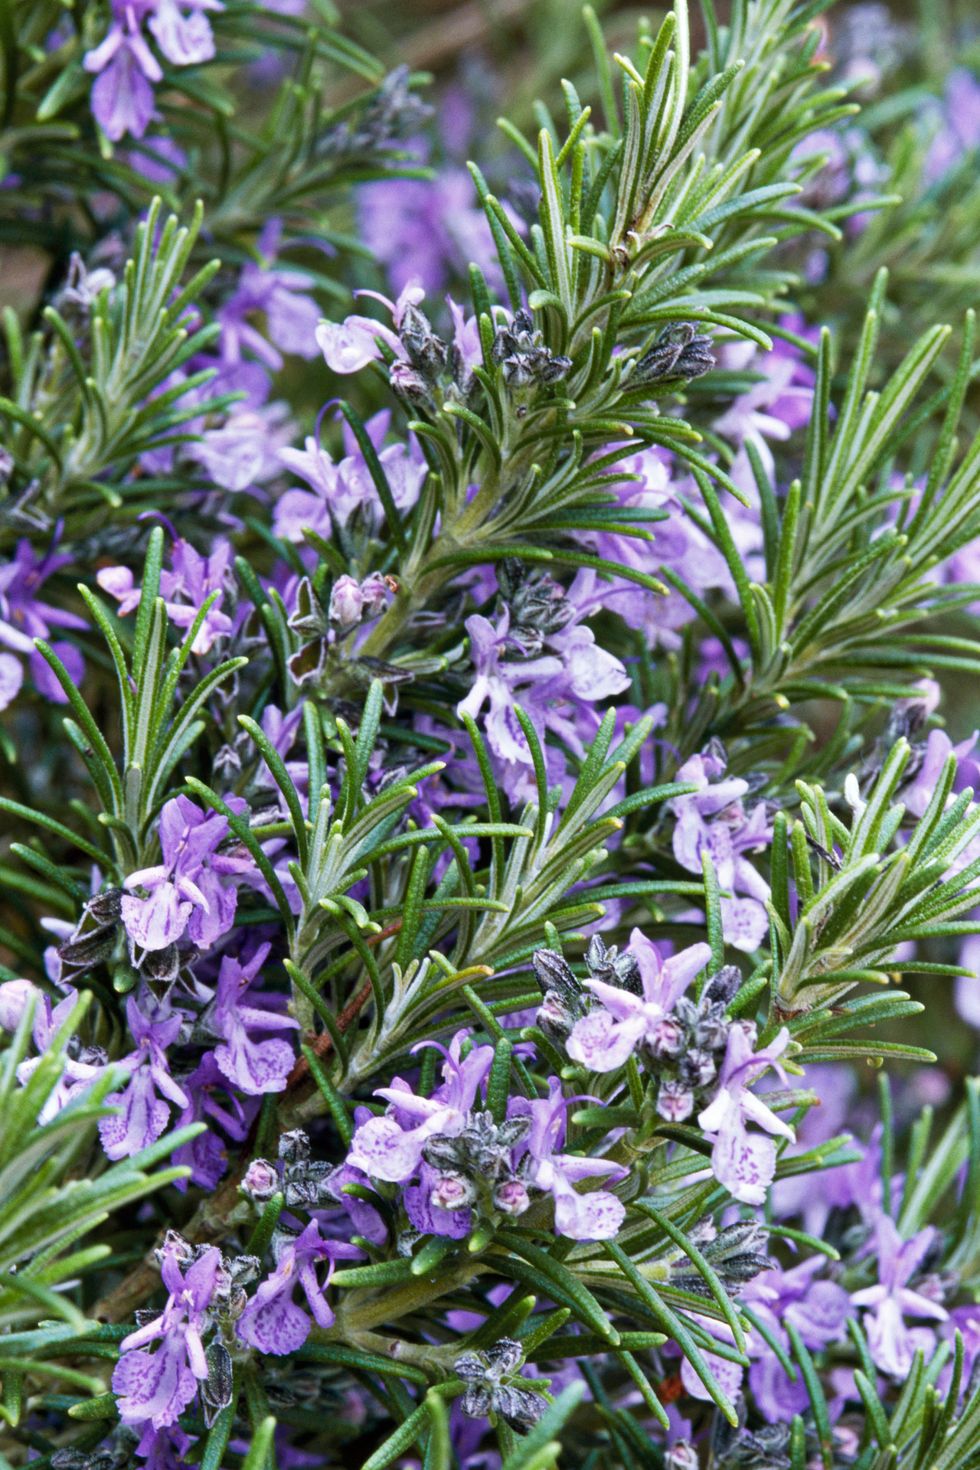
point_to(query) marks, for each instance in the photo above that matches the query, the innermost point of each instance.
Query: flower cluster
(474, 646)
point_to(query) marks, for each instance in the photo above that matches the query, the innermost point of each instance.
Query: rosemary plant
(475, 799)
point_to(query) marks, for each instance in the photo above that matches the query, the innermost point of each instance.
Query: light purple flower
(390, 1147)
(557, 690)
(255, 1067)
(125, 70)
(958, 125)
(282, 296)
(713, 820)
(142, 1116)
(338, 489)
(608, 1036)
(244, 451)
(83, 1065)
(917, 793)
(892, 1343)
(428, 229)
(157, 1386)
(744, 1162)
(349, 346)
(594, 1215)
(273, 1322)
(211, 1100)
(24, 617)
(184, 39)
(185, 586)
(184, 893)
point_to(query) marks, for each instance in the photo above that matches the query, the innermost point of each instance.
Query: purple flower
(713, 820)
(917, 793)
(272, 1321)
(255, 1067)
(185, 40)
(958, 130)
(557, 690)
(604, 1039)
(82, 1064)
(339, 489)
(745, 1163)
(817, 1309)
(184, 893)
(205, 1155)
(893, 1344)
(282, 296)
(158, 1386)
(125, 69)
(244, 451)
(391, 1147)
(349, 346)
(428, 229)
(595, 1215)
(24, 617)
(188, 583)
(677, 543)
(163, 1449)
(142, 1115)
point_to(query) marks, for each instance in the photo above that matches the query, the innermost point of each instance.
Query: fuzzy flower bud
(346, 602)
(261, 1179)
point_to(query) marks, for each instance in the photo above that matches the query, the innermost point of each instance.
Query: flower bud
(261, 1179)
(452, 1192)
(511, 1197)
(375, 593)
(407, 382)
(675, 1102)
(681, 1456)
(346, 602)
(15, 996)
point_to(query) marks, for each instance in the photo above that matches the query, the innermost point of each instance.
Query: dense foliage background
(489, 589)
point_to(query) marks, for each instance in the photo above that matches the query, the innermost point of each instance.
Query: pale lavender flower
(497, 683)
(892, 1342)
(917, 793)
(966, 993)
(255, 1067)
(744, 1162)
(390, 1147)
(15, 997)
(713, 820)
(141, 1115)
(188, 584)
(184, 893)
(211, 1100)
(184, 38)
(349, 346)
(125, 70)
(11, 679)
(272, 1321)
(282, 296)
(594, 1215)
(24, 617)
(605, 1038)
(819, 1311)
(428, 229)
(156, 1387)
(338, 489)
(557, 690)
(244, 452)
(958, 126)
(83, 1065)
